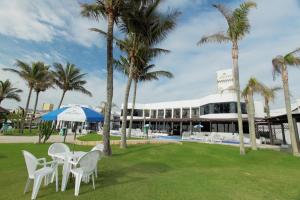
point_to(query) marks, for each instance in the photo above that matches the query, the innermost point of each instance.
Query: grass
(97, 137)
(15, 132)
(188, 171)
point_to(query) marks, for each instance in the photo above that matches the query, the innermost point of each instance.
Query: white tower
(224, 80)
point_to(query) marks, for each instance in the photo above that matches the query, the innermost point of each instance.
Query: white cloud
(42, 21)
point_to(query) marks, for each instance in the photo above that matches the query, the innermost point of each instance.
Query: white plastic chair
(58, 148)
(99, 147)
(84, 168)
(36, 175)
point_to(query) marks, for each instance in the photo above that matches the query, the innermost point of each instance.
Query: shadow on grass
(134, 149)
(2, 156)
(121, 176)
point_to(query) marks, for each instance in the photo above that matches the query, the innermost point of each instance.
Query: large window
(195, 112)
(138, 113)
(176, 113)
(146, 113)
(153, 113)
(160, 114)
(216, 108)
(168, 113)
(185, 113)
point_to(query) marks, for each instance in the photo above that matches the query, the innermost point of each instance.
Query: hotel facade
(214, 113)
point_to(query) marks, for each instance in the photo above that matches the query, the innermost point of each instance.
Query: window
(195, 112)
(216, 108)
(138, 113)
(153, 113)
(146, 113)
(186, 113)
(168, 113)
(160, 114)
(176, 113)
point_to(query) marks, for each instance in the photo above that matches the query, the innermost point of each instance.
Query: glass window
(217, 108)
(153, 113)
(176, 113)
(138, 113)
(186, 113)
(160, 113)
(243, 107)
(168, 113)
(195, 112)
(146, 113)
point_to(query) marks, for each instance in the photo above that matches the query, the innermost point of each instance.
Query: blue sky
(54, 31)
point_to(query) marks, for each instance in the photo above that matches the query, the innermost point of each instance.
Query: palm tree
(69, 78)
(269, 94)
(280, 64)
(145, 27)
(7, 91)
(110, 10)
(238, 27)
(252, 87)
(44, 82)
(143, 75)
(30, 74)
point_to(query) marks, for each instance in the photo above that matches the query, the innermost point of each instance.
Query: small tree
(46, 129)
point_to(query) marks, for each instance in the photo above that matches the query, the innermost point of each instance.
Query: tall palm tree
(280, 64)
(29, 73)
(269, 94)
(69, 78)
(145, 27)
(145, 74)
(110, 10)
(44, 82)
(253, 86)
(238, 27)
(7, 91)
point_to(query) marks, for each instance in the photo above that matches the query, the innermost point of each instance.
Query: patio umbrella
(198, 126)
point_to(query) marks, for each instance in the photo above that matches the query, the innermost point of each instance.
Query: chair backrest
(99, 147)
(58, 148)
(31, 163)
(88, 162)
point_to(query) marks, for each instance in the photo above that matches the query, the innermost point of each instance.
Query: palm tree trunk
(34, 110)
(236, 79)
(109, 85)
(125, 106)
(267, 109)
(284, 75)
(26, 110)
(62, 98)
(251, 120)
(133, 107)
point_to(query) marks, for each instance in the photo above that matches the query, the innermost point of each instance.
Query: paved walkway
(34, 139)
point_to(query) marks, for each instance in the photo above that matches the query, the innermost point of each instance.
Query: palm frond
(277, 63)
(218, 37)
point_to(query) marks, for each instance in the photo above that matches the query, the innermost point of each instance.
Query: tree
(252, 87)
(110, 10)
(269, 94)
(280, 64)
(144, 27)
(7, 91)
(69, 78)
(238, 27)
(43, 82)
(29, 73)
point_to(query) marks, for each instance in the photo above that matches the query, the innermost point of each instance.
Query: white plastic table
(67, 156)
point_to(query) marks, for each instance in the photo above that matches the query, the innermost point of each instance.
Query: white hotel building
(216, 112)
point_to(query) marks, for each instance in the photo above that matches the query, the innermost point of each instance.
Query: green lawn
(97, 137)
(15, 132)
(153, 172)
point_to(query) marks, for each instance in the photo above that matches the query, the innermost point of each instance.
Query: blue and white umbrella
(74, 113)
(198, 126)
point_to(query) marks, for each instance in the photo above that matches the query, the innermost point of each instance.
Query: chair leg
(93, 180)
(27, 185)
(36, 186)
(77, 183)
(56, 179)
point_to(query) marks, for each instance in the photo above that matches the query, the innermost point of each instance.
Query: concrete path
(34, 139)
